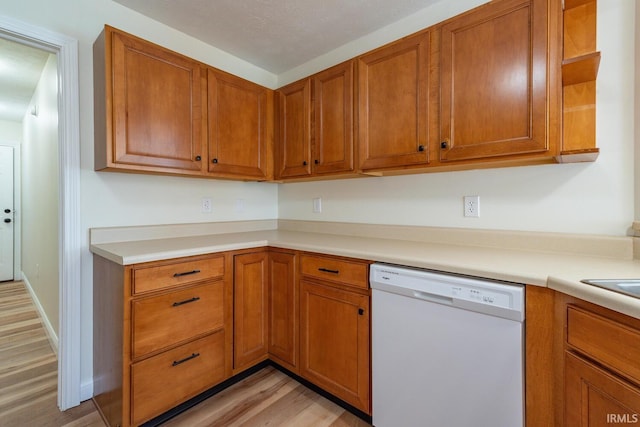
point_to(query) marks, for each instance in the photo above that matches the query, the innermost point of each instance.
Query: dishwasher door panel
(436, 365)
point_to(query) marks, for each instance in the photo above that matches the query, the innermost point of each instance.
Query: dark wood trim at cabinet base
(355, 411)
(205, 395)
(241, 376)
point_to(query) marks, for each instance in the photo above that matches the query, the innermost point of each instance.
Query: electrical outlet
(317, 205)
(472, 206)
(206, 205)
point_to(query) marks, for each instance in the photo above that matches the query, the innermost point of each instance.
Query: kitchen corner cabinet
(251, 314)
(600, 353)
(149, 111)
(393, 96)
(335, 327)
(293, 140)
(315, 125)
(240, 124)
(283, 309)
(498, 97)
(162, 334)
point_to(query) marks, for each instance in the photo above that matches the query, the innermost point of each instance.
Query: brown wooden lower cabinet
(166, 331)
(598, 373)
(162, 341)
(334, 341)
(161, 382)
(595, 397)
(283, 309)
(250, 309)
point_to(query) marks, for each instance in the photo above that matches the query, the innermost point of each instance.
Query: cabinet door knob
(421, 148)
(198, 158)
(316, 161)
(214, 161)
(361, 311)
(444, 144)
(7, 211)
(7, 220)
(304, 163)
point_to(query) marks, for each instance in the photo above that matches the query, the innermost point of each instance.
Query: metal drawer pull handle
(187, 301)
(326, 270)
(186, 273)
(186, 359)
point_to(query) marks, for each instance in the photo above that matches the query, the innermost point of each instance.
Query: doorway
(7, 224)
(70, 242)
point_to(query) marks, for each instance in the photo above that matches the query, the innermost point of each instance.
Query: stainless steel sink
(629, 287)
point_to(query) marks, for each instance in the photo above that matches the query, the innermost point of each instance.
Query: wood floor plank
(266, 398)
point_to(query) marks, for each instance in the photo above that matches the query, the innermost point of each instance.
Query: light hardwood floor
(28, 384)
(29, 369)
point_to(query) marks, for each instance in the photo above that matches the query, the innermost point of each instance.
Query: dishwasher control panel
(483, 295)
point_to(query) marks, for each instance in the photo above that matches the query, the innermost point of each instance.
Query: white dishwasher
(447, 350)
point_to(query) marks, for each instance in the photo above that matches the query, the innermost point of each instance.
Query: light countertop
(559, 271)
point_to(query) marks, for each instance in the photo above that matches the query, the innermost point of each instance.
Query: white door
(6, 213)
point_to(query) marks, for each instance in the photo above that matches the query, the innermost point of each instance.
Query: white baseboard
(86, 390)
(51, 334)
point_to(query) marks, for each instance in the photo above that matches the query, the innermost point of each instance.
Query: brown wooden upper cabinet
(315, 124)
(240, 127)
(293, 140)
(148, 107)
(393, 95)
(495, 88)
(484, 88)
(155, 111)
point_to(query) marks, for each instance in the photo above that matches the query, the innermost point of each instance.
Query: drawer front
(164, 320)
(337, 270)
(607, 341)
(168, 379)
(180, 273)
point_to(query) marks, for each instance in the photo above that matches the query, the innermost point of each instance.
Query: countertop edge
(593, 294)
(559, 273)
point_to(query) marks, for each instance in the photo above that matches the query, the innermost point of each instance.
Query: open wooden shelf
(579, 73)
(580, 69)
(571, 4)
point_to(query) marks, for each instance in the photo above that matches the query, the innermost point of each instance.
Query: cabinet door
(250, 309)
(335, 345)
(494, 81)
(239, 128)
(293, 146)
(392, 104)
(156, 108)
(283, 309)
(594, 398)
(333, 119)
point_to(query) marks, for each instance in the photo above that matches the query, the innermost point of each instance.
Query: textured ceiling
(277, 35)
(20, 70)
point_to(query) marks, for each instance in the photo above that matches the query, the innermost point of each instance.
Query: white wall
(10, 131)
(39, 194)
(594, 198)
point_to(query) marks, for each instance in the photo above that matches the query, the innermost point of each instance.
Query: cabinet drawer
(153, 278)
(606, 341)
(336, 270)
(168, 379)
(161, 321)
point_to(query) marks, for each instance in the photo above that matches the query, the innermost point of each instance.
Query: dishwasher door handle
(440, 299)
